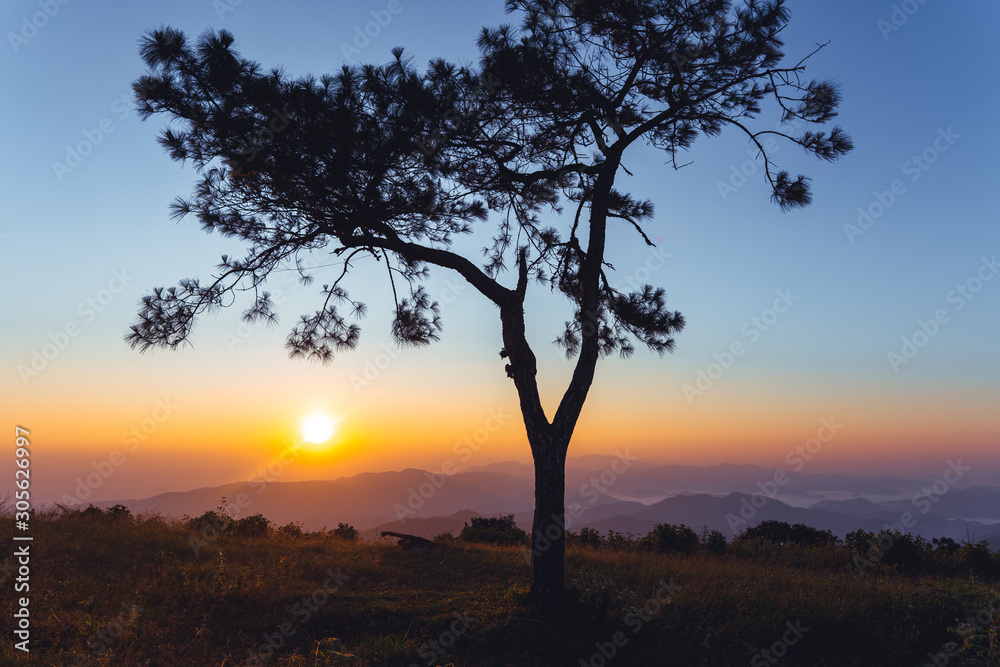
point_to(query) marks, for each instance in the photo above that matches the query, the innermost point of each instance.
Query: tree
(392, 164)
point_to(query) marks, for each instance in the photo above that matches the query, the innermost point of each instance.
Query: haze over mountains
(614, 493)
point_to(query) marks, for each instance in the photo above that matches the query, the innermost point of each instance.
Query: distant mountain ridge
(605, 493)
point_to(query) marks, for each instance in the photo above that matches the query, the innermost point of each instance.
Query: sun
(317, 428)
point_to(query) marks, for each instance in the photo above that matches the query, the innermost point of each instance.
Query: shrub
(119, 513)
(861, 542)
(290, 529)
(622, 541)
(714, 542)
(904, 552)
(668, 537)
(589, 537)
(256, 525)
(780, 532)
(979, 560)
(209, 521)
(499, 530)
(602, 594)
(346, 531)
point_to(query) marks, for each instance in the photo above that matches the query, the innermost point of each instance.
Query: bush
(905, 552)
(211, 521)
(891, 548)
(256, 525)
(119, 513)
(290, 529)
(780, 532)
(499, 530)
(668, 537)
(346, 531)
(589, 537)
(622, 541)
(979, 560)
(861, 542)
(714, 542)
(603, 594)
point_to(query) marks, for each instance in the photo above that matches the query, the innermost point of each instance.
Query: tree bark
(548, 528)
(550, 441)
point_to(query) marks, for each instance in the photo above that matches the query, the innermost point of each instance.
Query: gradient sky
(81, 240)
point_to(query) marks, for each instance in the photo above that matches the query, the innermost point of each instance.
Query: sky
(866, 322)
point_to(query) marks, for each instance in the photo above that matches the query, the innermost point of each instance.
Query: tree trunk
(548, 534)
(550, 441)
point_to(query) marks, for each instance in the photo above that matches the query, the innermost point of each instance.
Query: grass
(135, 592)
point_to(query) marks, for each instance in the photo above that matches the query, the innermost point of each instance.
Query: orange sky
(726, 253)
(232, 423)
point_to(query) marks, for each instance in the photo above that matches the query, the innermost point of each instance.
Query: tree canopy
(392, 163)
(522, 148)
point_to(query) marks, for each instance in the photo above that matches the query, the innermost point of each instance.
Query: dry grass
(159, 603)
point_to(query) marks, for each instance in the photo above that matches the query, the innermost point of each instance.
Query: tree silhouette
(391, 163)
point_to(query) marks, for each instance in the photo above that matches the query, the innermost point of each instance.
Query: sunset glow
(844, 310)
(318, 428)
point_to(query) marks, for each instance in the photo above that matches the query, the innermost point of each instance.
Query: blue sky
(919, 87)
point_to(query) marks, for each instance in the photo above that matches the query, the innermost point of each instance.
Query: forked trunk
(550, 440)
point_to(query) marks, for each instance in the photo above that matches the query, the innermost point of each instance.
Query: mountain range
(605, 493)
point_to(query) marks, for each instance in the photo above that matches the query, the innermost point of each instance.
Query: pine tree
(393, 164)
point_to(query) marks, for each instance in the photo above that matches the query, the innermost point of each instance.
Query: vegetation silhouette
(393, 164)
(254, 599)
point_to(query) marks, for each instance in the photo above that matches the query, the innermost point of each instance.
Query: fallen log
(410, 542)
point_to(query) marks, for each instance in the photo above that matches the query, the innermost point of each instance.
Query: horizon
(97, 476)
(874, 308)
(603, 493)
(265, 477)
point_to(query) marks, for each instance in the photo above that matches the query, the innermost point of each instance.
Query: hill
(108, 590)
(634, 498)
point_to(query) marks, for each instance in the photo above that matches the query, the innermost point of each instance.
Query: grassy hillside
(118, 591)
